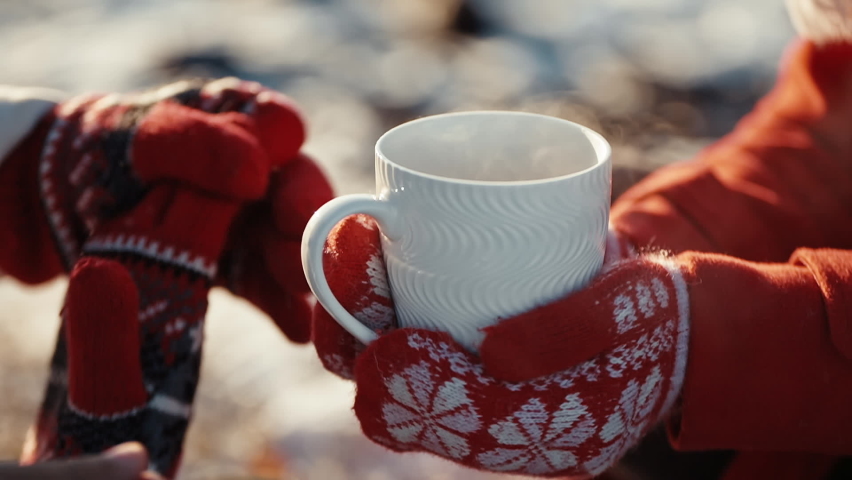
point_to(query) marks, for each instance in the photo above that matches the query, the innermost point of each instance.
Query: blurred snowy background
(659, 78)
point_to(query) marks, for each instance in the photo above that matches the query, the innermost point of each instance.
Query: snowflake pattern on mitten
(420, 391)
(357, 276)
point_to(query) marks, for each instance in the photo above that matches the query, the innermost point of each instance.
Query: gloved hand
(93, 157)
(565, 389)
(262, 260)
(357, 276)
(419, 390)
(127, 360)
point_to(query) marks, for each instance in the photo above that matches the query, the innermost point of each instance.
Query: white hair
(822, 21)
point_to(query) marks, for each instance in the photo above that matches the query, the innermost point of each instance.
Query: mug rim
(601, 159)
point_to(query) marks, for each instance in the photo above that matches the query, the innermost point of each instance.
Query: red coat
(775, 383)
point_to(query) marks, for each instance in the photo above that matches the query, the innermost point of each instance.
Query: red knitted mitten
(420, 391)
(93, 157)
(356, 273)
(357, 277)
(569, 405)
(262, 262)
(132, 330)
(569, 387)
(170, 241)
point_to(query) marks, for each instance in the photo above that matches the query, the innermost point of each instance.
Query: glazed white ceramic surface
(484, 215)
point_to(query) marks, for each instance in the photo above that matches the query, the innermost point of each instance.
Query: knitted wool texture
(92, 158)
(156, 282)
(420, 391)
(141, 194)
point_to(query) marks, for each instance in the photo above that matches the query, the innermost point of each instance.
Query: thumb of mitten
(356, 274)
(102, 334)
(619, 306)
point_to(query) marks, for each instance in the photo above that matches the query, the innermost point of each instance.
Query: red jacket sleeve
(781, 180)
(770, 367)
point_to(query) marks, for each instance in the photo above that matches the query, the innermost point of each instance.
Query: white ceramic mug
(483, 215)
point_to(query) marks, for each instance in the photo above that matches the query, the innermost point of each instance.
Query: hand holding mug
(483, 215)
(420, 387)
(564, 389)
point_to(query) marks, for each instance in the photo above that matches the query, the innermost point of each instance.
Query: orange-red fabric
(775, 466)
(763, 371)
(782, 180)
(833, 273)
(771, 381)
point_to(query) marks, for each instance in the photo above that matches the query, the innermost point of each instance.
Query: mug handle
(313, 246)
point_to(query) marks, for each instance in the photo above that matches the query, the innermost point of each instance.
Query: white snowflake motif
(538, 441)
(377, 315)
(458, 361)
(641, 352)
(436, 416)
(642, 297)
(629, 421)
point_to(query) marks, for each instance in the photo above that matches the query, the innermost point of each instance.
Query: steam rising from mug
(495, 148)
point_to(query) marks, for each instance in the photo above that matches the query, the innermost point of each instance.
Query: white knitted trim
(146, 247)
(59, 224)
(20, 109)
(111, 416)
(682, 340)
(822, 21)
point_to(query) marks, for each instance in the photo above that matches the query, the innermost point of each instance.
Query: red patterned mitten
(93, 157)
(100, 398)
(357, 277)
(420, 391)
(262, 262)
(569, 387)
(69, 166)
(356, 274)
(132, 331)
